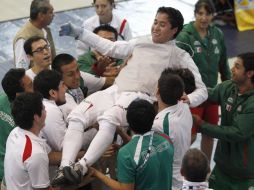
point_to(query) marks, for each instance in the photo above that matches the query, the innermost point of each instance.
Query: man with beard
(234, 154)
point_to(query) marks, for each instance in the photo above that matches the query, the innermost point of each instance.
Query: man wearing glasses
(41, 15)
(38, 51)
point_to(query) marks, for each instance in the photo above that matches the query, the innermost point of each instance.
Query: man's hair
(175, 18)
(28, 44)
(61, 60)
(187, 77)
(106, 27)
(24, 107)
(171, 87)
(195, 165)
(207, 4)
(47, 80)
(140, 116)
(38, 6)
(248, 62)
(12, 82)
(112, 2)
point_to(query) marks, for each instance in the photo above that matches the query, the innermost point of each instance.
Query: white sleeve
(92, 82)
(54, 129)
(68, 106)
(37, 167)
(21, 59)
(81, 48)
(118, 49)
(200, 94)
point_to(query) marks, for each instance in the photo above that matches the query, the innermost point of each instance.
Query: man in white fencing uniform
(138, 79)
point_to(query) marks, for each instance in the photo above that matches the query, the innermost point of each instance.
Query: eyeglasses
(41, 49)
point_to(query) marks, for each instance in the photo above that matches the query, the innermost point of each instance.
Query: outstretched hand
(69, 29)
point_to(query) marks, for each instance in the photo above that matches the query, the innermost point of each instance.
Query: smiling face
(41, 54)
(203, 18)
(161, 29)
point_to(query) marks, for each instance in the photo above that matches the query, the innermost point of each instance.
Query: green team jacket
(6, 126)
(87, 63)
(235, 149)
(209, 54)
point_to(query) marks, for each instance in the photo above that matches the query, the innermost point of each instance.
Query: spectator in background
(205, 43)
(104, 15)
(41, 15)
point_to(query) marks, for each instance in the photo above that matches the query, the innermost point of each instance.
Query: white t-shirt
(55, 125)
(30, 73)
(176, 122)
(93, 22)
(26, 161)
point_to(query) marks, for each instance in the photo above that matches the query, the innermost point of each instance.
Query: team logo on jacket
(216, 51)
(230, 100)
(197, 43)
(228, 107)
(214, 41)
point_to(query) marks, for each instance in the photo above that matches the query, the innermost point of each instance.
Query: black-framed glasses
(41, 49)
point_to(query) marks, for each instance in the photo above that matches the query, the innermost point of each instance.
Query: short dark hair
(12, 82)
(112, 2)
(24, 107)
(106, 27)
(47, 80)
(38, 6)
(207, 4)
(140, 116)
(175, 18)
(187, 77)
(61, 60)
(171, 87)
(195, 165)
(248, 62)
(28, 44)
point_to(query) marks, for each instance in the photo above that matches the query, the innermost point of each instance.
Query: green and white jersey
(176, 122)
(6, 126)
(147, 161)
